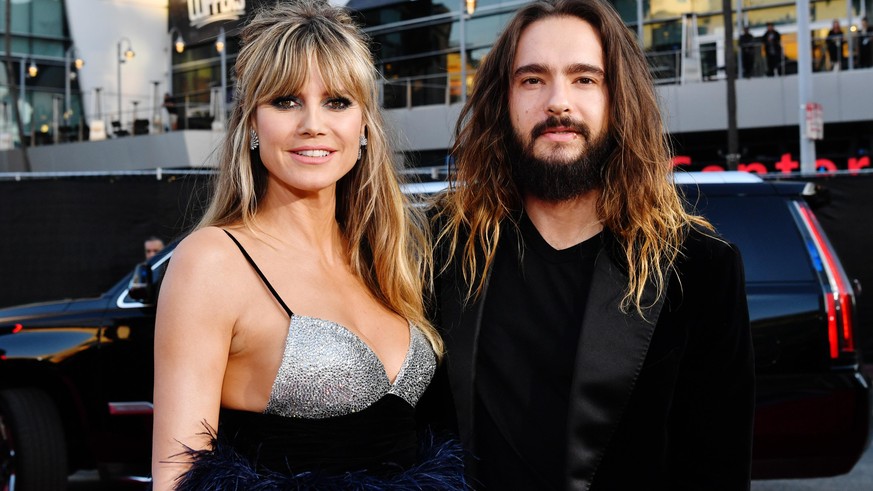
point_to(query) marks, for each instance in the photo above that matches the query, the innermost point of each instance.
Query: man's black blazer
(661, 402)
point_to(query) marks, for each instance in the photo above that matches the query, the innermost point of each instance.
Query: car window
(159, 267)
(766, 234)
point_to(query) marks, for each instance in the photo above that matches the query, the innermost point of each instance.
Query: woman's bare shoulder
(206, 247)
(206, 261)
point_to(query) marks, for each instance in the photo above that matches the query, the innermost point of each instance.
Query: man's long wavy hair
(386, 240)
(638, 202)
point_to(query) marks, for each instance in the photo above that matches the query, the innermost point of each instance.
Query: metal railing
(194, 110)
(423, 90)
(198, 110)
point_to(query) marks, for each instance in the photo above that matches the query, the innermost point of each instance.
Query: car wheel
(32, 452)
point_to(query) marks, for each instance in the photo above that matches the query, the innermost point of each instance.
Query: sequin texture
(328, 371)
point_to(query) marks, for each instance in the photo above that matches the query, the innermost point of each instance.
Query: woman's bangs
(340, 72)
(285, 76)
(288, 74)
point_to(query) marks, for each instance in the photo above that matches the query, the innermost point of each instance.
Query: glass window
(74, 119)
(483, 31)
(476, 57)
(405, 11)
(48, 17)
(48, 76)
(21, 21)
(38, 17)
(199, 53)
(428, 39)
(447, 6)
(627, 9)
(42, 47)
(712, 24)
(419, 81)
(41, 120)
(755, 238)
(425, 158)
(665, 9)
(664, 36)
(491, 3)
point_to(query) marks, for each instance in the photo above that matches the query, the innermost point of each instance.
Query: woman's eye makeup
(336, 103)
(287, 102)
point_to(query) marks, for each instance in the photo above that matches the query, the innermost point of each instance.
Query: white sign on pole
(814, 121)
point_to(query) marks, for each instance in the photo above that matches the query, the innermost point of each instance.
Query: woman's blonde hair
(386, 239)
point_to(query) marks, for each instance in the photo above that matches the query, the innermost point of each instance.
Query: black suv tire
(33, 454)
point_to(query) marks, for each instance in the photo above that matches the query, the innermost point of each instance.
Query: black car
(76, 379)
(76, 376)
(813, 404)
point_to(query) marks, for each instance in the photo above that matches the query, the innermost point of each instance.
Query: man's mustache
(562, 122)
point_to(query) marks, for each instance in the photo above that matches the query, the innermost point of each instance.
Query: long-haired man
(597, 334)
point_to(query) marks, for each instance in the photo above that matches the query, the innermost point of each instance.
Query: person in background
(772, 50)
(292, 319)
(597, 334)
(865, 44)
(169, 113)
(152, 246)
(750, 49)
(835, 45)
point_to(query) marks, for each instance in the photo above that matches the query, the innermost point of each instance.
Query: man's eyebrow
(584, 68)
(531, 68)
(538, 68)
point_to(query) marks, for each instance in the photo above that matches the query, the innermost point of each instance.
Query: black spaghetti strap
(258, 270)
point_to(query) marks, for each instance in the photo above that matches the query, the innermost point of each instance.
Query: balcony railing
(667, 66)
(198, 110)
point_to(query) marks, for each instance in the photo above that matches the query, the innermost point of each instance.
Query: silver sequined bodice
(328, 371)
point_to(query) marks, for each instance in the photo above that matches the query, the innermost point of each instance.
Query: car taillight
(839, 300)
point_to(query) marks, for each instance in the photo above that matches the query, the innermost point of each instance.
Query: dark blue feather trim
(222, 468)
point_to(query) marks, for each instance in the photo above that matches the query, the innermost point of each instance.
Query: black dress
(333, 421)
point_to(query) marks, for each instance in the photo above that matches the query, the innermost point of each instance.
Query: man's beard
(554, 178)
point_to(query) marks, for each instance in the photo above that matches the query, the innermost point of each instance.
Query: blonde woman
(291, 320)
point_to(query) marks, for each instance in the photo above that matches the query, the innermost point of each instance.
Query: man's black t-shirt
(527, 349)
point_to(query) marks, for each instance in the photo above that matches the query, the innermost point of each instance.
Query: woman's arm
(195, 321)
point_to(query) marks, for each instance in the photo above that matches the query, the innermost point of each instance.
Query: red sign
(785, 165)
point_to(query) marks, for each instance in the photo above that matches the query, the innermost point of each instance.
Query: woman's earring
(363, 143)
(254, 140)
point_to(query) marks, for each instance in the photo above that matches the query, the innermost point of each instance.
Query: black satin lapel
(612, 348)
(460, 332)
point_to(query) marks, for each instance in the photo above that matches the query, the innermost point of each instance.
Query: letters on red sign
(856, 164)
(785, 165)
(756, 167)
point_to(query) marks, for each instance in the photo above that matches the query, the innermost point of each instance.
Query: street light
(221, 47)
(468, 7)
(78, 63)
(31, 72)
(123, 57)
(179, 45)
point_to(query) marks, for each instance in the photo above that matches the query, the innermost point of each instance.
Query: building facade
(424, 49)
(33, 81)
(428, 52)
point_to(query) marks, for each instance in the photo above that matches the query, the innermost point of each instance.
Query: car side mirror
(142, 287)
